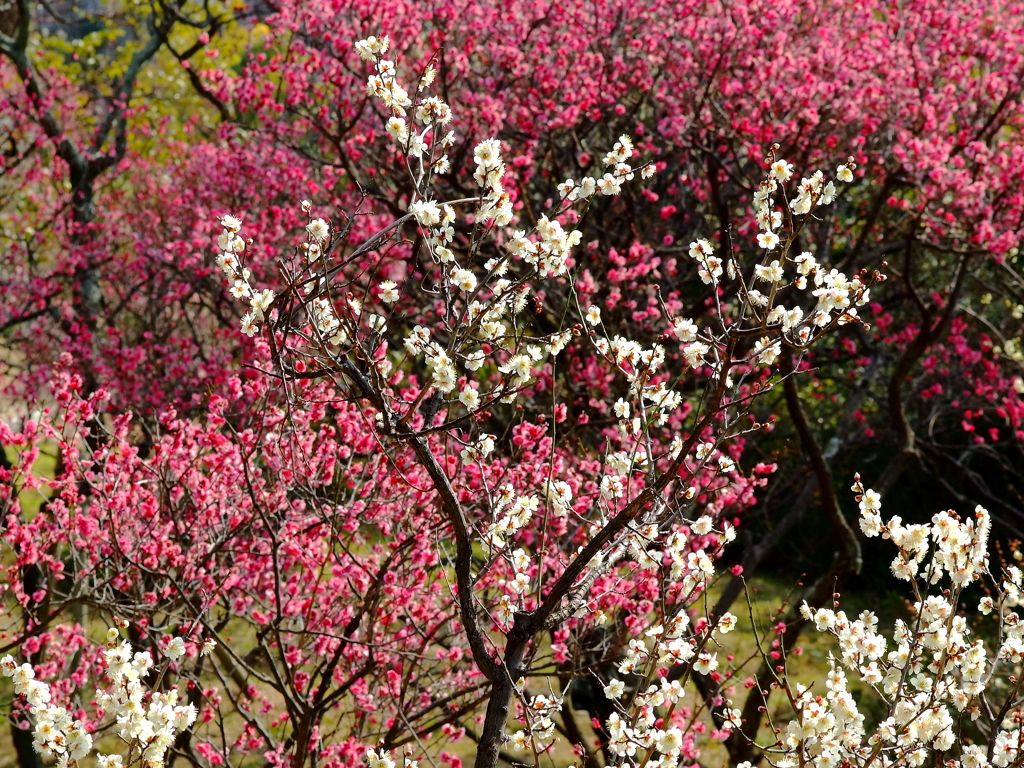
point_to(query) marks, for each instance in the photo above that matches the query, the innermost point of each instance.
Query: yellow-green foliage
(87, 62)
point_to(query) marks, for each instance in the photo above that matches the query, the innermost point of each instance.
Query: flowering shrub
(461, 307)
(508, 394)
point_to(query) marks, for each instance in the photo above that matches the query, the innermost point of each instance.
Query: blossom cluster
(55, 734)
(639, 735)
(147, 722)
(835, 293)
(932, 674)
(484, 302)
(538, 711)
(512, 512)
(229, 260)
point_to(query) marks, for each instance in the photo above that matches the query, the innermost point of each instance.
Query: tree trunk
(498, 705)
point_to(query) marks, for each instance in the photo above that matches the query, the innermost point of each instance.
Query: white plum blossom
(463, 279)
(609, 184)
(782, 170)
(769, 351)
(685, 329)
(249, 326)
(426, 212)
(175, 648)
(469, 397)
(388, 292)
(768, 240)
(381, 759)
(318, 229)
(398, 129)
(772, 273)
(614, 689)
